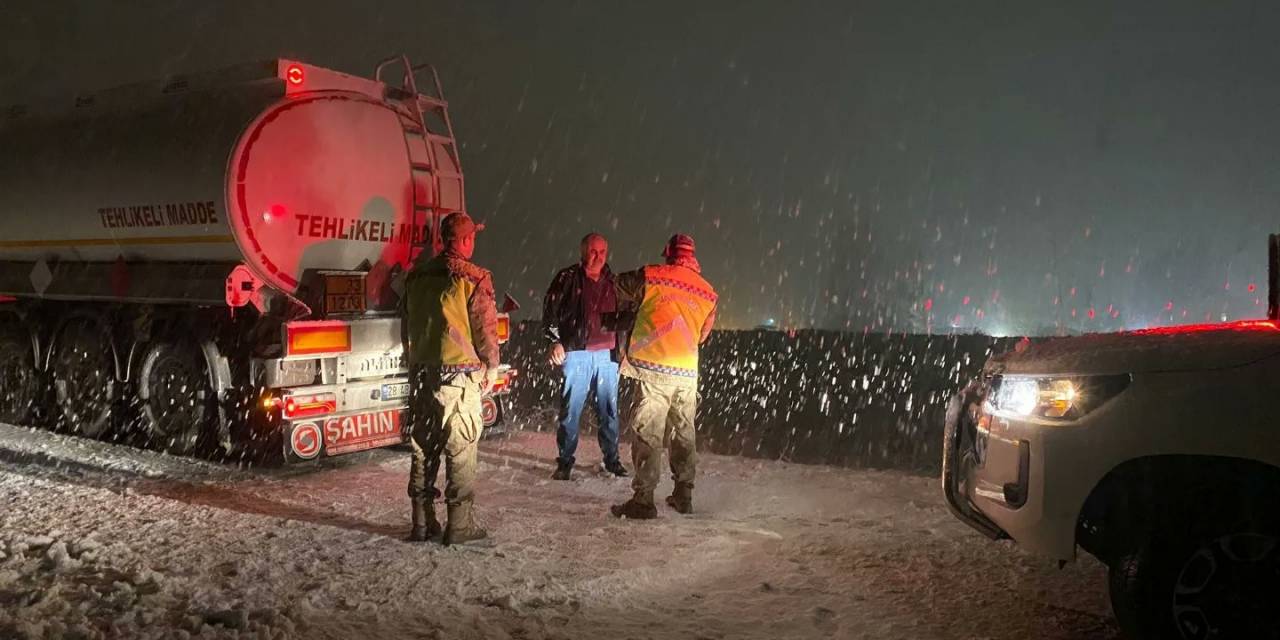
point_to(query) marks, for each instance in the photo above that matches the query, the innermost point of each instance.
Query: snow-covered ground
(103, 541)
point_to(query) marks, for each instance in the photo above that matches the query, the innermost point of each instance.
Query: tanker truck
(214, 260)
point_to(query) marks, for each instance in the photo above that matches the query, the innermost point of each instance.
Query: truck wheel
(1200, 587)
(19, 380)
(84, 379)
(175, 398)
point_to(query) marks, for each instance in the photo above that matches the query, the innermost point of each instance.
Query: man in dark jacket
(572, 318)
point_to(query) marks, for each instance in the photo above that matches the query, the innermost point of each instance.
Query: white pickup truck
(1156, 451)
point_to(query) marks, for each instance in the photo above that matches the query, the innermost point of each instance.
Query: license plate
(395, 391)
(344, 294)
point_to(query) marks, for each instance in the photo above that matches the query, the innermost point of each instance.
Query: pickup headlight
(1052, 397)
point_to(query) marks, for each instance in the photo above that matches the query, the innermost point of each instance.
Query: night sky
(940, 166)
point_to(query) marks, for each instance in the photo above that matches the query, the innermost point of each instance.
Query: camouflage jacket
(421, 308)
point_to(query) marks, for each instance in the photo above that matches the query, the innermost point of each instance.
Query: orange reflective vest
(668, 326)
(437, 313)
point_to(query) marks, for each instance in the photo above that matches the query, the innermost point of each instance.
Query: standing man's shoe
(634, 509)
(462, 527)
(681, 501)
(563, 472)
(425, 525)
(616, 468)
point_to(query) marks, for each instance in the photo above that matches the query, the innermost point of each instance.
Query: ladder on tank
(435, 167)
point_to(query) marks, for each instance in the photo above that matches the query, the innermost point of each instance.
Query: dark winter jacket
(563, 312)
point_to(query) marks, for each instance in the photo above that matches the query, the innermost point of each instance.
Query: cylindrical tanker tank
(279, 166)
(128, 216)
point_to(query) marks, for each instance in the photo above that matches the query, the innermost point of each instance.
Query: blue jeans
(585, 371)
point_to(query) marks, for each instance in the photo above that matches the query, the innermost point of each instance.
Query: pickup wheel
(19, 381)
(84, 380)
(1220, 583)
(176, 400)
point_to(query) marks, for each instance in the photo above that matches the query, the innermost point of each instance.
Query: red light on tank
(294, 74)
(276, 211)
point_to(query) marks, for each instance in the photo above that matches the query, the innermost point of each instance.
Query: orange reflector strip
(504, 327)
(318, 337)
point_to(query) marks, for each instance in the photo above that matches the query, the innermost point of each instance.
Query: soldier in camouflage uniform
(451, 343)
(674, 309)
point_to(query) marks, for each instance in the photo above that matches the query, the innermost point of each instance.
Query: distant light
(294, 74)
(1252, 287)
(998, 331)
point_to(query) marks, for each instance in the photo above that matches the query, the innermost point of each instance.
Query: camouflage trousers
(444, 419)
(663, 416)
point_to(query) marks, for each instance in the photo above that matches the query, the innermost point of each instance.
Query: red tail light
(505, 378)
(309, 406)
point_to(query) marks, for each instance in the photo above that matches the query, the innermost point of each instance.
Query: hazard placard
(344, 293)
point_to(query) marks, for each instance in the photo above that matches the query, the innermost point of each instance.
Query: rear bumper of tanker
(331, 420)
(326, 420)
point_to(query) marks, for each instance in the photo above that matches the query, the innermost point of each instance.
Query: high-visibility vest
(668, 325)
(437, 297)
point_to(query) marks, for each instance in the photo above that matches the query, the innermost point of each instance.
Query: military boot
(681, 499)
(425, 524)
(462, 528)
(639, 507)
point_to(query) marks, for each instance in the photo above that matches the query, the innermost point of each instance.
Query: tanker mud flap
(220, 381)
(958, 438)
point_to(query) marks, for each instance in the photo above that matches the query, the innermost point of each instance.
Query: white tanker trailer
(214, 258)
